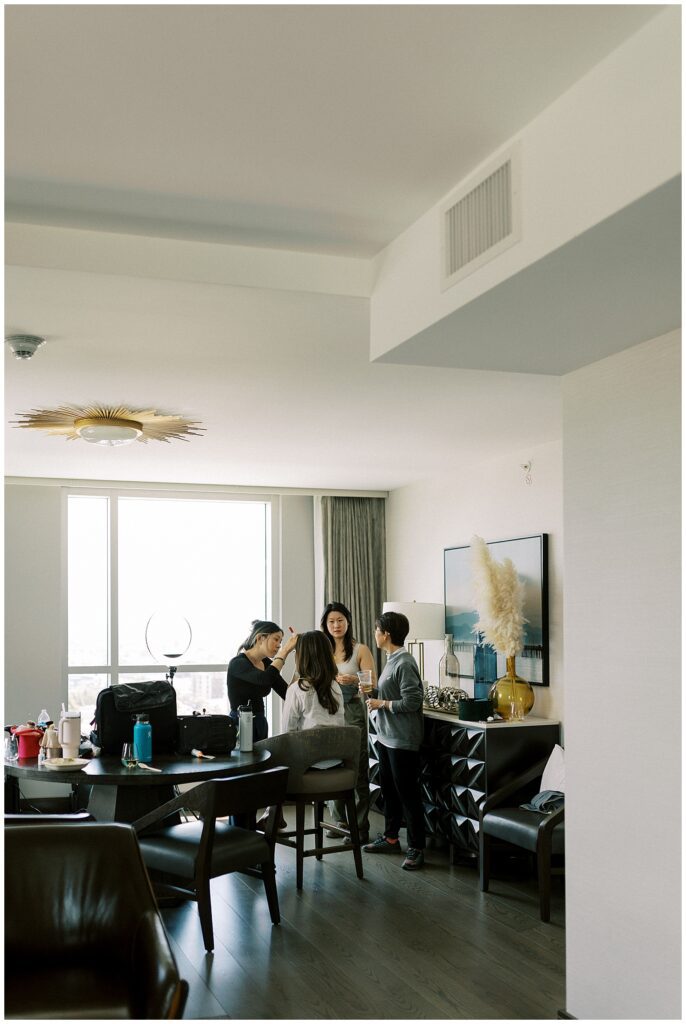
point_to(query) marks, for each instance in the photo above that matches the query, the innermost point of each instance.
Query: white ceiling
(326, 129)
(309, 412)
(320, 128)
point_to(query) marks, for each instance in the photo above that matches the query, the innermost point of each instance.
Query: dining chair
(68, 818)
(309, 785)
(501, 817)
(197, 851)
(83, 936)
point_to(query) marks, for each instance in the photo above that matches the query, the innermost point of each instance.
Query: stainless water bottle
(245, 728)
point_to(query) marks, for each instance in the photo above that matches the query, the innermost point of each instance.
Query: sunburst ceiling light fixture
(109, 425)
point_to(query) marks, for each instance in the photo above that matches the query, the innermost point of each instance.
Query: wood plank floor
(396, 945)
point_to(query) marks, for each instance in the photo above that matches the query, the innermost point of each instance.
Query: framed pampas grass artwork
(529, 599)
(499, 600)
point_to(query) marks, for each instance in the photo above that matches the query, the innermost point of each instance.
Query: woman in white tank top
(350, 657)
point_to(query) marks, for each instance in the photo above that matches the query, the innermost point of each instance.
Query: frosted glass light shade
(426, 618)
(108, 431)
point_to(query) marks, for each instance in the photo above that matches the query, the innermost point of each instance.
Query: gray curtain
(354, 551)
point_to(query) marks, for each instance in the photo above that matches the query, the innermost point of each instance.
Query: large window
(131, 556)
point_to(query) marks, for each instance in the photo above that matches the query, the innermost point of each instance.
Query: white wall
(297, 562)
(623, 684)
(296, 587)
(34, 637)
(494, 501)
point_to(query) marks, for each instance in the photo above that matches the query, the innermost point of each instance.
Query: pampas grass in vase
(499, 602)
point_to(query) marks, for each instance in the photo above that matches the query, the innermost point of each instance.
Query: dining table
(120, 793)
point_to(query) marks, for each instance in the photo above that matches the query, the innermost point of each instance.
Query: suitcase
(116, 709)
(213, 734)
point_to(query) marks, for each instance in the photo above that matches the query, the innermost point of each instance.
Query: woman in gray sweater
(399, 724)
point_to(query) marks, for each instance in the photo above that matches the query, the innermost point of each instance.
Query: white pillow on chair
(554, 772)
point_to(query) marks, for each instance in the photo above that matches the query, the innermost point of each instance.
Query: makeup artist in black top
(256, 670)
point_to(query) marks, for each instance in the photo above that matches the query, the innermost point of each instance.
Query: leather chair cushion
(78, 890)
(83, 936)
(68, 991)
(518, 826)
(330, 780)
(175, 849)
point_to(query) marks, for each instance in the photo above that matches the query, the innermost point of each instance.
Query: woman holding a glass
(351, 657)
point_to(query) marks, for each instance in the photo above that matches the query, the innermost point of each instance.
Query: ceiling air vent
(481, 219)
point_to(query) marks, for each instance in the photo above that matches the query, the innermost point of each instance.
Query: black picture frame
(530, 557)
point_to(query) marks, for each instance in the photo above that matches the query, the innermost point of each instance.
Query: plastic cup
(365, 677)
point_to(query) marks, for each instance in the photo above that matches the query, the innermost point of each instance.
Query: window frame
(113, 669)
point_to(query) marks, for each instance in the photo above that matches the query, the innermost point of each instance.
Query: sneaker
(414, 859)
(331, 834)
(382, 845)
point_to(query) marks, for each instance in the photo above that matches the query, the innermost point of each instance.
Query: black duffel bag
(213, 734)
(116, 709)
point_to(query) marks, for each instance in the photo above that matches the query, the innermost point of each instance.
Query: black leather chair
(48, 819)
(501, 817)
(307, 785)
(83, 936)
(197, 851)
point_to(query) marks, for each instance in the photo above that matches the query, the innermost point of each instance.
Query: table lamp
(427, 622)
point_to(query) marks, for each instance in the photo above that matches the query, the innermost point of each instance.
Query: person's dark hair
(348, 640)
(396, 625)
(260, 627)
(316, 667)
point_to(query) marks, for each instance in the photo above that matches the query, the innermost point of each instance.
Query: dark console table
(462, 762)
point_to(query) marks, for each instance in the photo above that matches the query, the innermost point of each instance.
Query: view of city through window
(203, 560)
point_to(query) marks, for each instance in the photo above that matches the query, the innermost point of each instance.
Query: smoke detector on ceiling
(24, 345)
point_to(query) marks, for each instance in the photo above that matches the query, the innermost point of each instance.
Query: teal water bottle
(142, 739)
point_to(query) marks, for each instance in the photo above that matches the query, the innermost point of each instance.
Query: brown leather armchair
(83, 936)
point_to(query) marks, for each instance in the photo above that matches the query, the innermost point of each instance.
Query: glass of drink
(11, 748)
(365, 677)
(128, 756)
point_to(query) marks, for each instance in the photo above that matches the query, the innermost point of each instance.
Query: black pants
(399, 776)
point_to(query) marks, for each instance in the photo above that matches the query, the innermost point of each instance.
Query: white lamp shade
(427, 619)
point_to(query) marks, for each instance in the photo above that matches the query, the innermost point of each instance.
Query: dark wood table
(126, 794)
